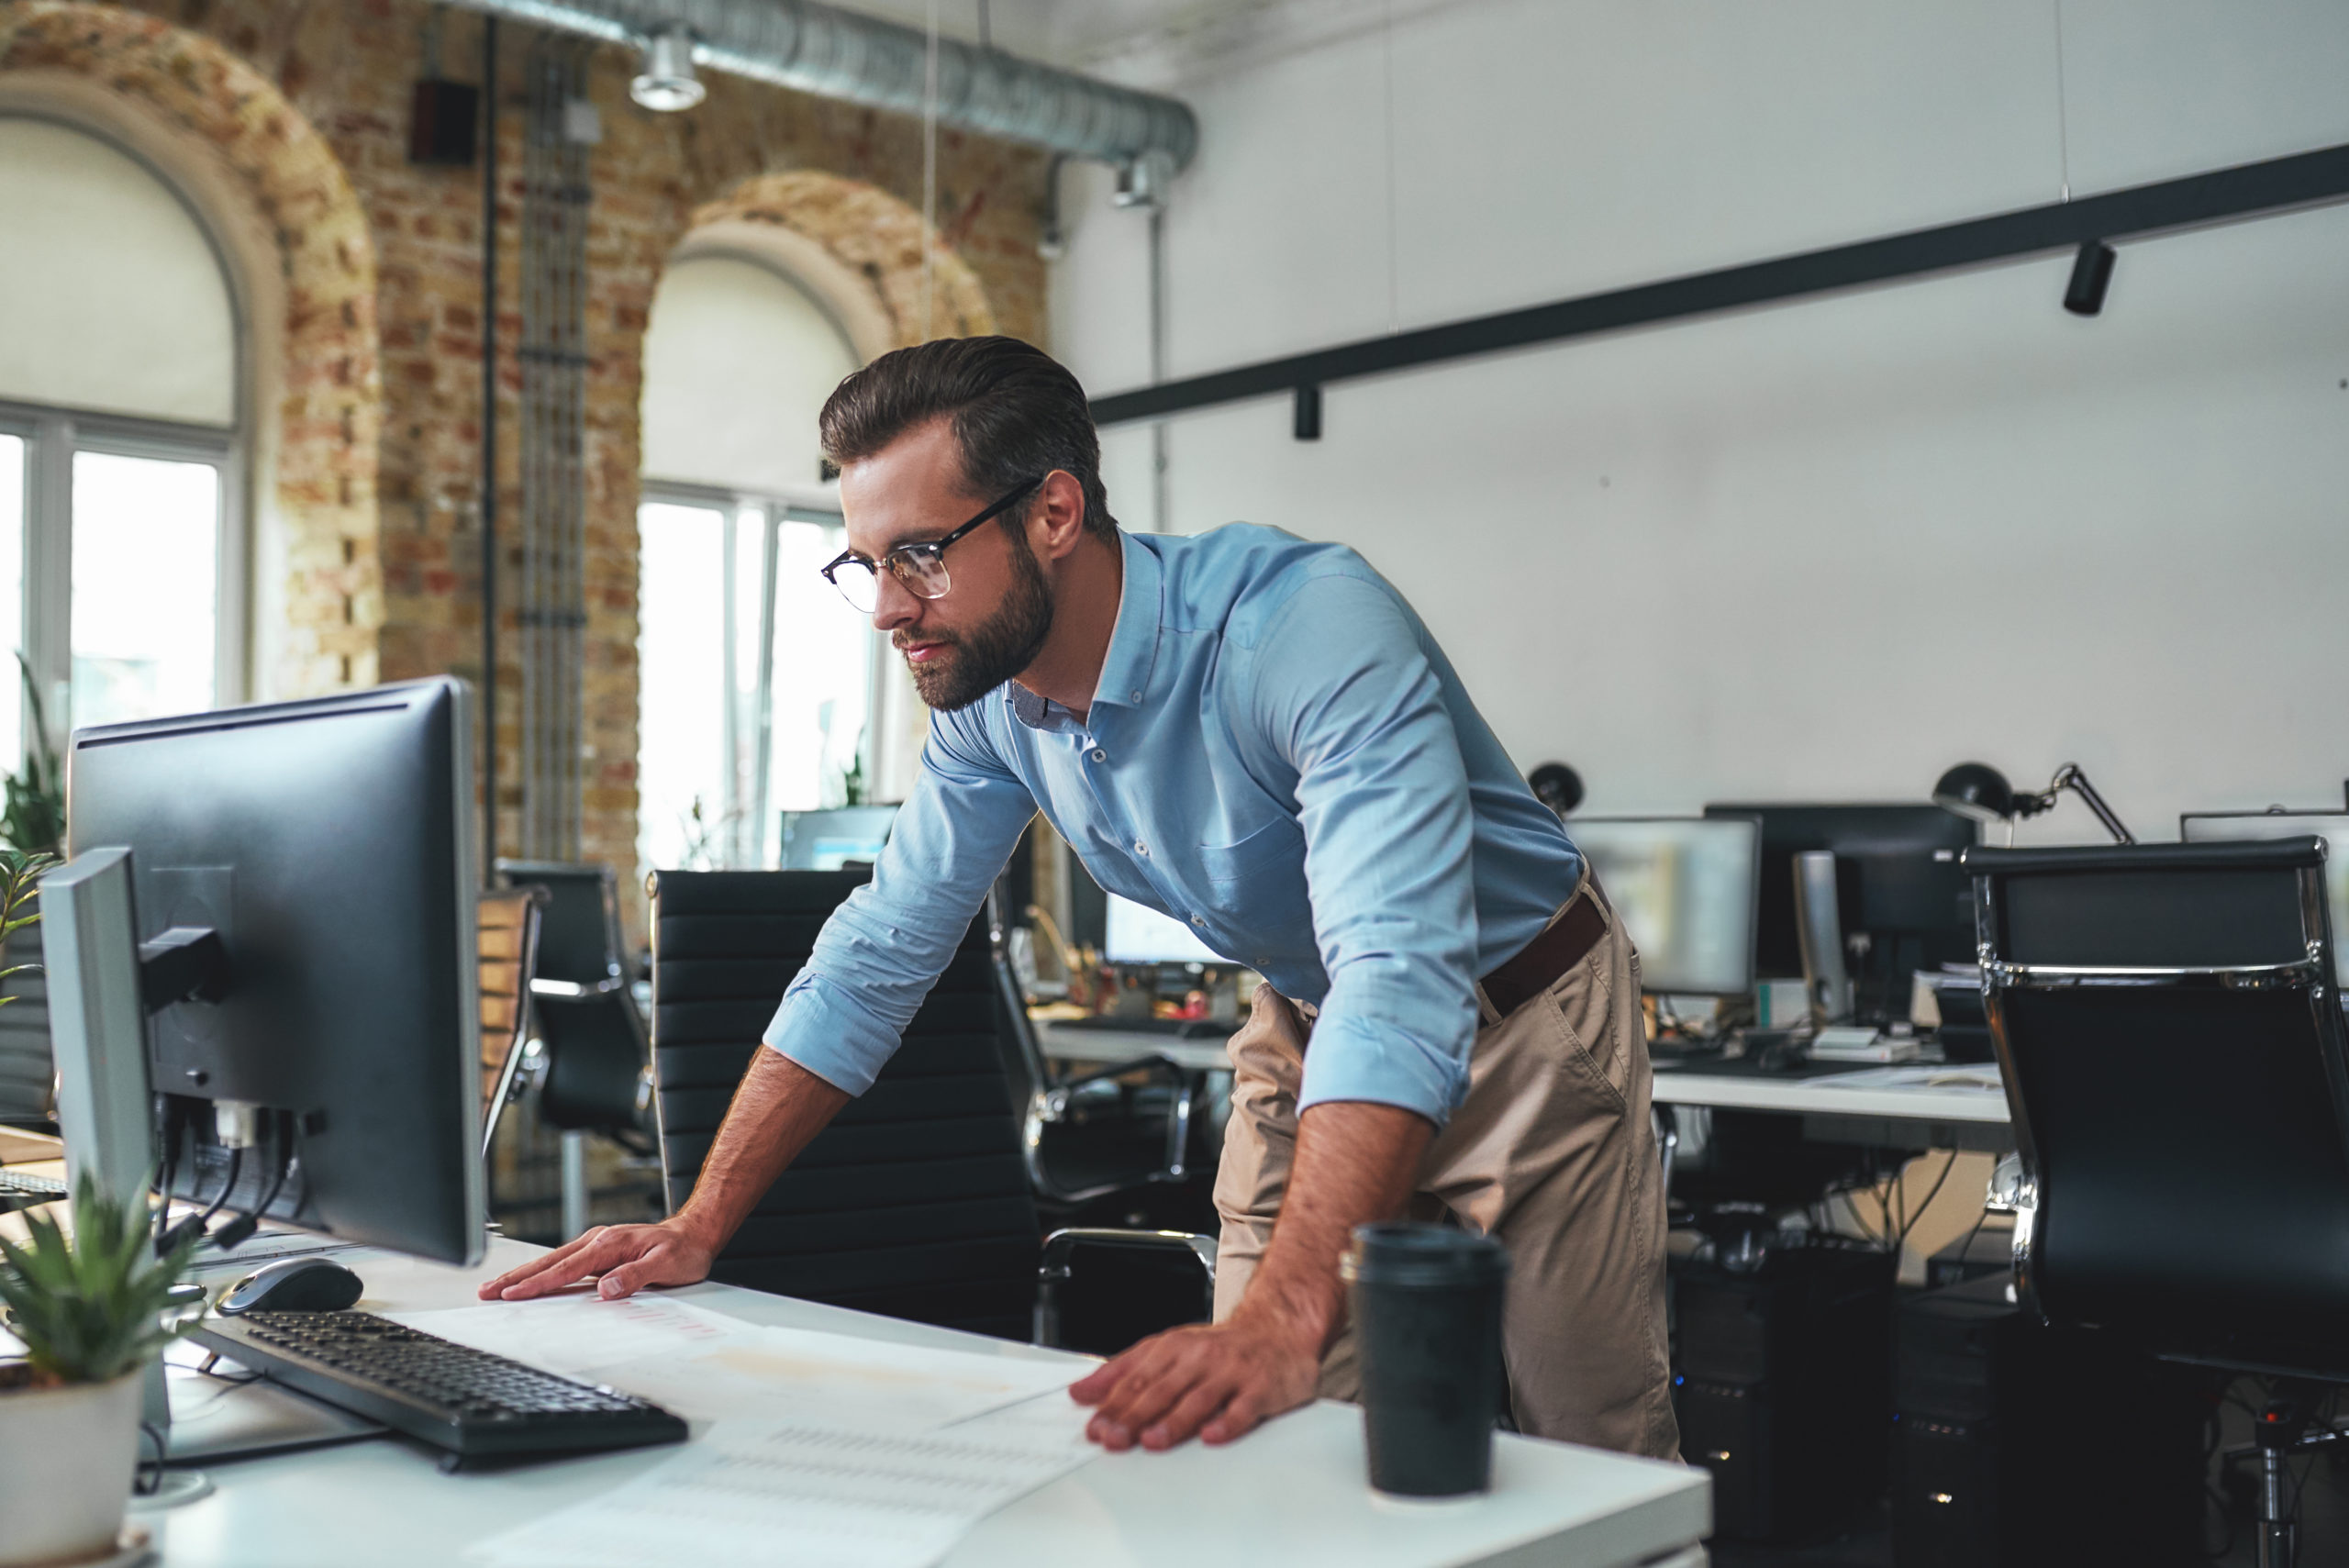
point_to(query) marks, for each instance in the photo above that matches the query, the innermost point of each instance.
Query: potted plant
(90, 1311)
(32, 828)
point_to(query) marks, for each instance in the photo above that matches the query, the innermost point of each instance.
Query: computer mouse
(294, 1285)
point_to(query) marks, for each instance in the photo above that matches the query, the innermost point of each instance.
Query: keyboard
(469, 1402)
(26, 1186)
(1169, 1029)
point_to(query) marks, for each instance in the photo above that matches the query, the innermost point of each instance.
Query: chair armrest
(1175, 1165)
(1053, 1266)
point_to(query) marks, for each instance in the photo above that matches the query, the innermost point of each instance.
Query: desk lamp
(1557, 786)
(1979, 791)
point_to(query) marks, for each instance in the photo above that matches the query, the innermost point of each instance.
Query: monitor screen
(1140, 935)
(830, 839)
(1685, 890)
(2333, 826)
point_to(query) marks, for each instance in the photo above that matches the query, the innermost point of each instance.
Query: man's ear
(1058, 526)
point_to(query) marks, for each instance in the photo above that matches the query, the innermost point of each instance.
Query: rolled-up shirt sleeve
(1350, 696)
(885, 947)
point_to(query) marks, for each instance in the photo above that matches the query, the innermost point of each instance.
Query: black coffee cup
(1427, 1314)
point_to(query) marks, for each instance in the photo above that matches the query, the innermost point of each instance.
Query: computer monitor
(1685, 888)
(829, 839)
(1140, 935)
(1897, 882)
(2333, 826)
(329, 846)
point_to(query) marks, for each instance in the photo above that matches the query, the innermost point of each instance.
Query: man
(1256, 736)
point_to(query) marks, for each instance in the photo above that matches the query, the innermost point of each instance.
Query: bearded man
(1257, 737)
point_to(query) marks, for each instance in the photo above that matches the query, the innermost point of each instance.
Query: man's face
(995, 616)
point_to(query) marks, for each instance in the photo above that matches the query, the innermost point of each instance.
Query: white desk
(1291, 1493)
(1845, 1108)
(1108, 1047)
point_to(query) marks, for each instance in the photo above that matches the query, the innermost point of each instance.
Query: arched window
(121, 540)
(755, 678)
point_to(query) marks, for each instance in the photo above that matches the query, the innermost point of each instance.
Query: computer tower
(2017, 1445)
(1781, 1385)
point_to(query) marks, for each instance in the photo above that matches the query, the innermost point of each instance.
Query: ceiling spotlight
(2091, 272)
(667, 83)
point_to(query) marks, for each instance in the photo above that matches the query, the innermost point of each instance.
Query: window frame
(53, 433)
(53, 437)
(751, 825)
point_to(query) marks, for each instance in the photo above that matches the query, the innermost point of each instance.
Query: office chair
(507, 935)
(1095, 1135)
(2174, 1054)
(594, 1066)
(579, 933)
(915, 1201)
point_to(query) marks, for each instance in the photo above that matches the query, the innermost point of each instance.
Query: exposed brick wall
(381, 416)
(329, 382)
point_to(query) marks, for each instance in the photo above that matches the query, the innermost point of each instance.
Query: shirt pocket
(1275, 851)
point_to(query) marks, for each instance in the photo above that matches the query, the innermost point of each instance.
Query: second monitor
(1685, 888)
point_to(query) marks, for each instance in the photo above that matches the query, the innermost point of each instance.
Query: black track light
(2091, 274)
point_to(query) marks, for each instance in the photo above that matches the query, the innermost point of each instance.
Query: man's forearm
(1356, 1161)
(779, 1106)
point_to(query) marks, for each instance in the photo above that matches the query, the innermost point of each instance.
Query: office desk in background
(1106, 1048)
(1899, 1107)
(1291, 1493)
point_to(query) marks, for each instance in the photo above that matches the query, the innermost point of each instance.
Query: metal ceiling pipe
(839, 54)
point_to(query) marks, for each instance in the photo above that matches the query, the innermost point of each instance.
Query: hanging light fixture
(667, 83)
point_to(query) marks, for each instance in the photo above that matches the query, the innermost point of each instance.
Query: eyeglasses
(920, 567)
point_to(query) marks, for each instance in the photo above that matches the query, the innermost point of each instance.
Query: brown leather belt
(1564, 943)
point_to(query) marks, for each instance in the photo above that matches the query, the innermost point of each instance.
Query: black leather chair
(579, 929)
(594, 1067)
(915, 1201)
(2172, 1040)
(1105, 1140)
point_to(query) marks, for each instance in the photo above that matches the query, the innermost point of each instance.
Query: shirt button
(1137, 697)
(1141, 848)
(1099, 755)
(1198, 919)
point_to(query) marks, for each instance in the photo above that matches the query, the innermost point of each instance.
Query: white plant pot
(72, 1454)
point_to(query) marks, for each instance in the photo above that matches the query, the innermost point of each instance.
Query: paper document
(581, 1334)
(706, 1366)
(1956, 1075)
(801, 1494)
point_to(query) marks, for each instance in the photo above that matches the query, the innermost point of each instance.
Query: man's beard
(970, 665)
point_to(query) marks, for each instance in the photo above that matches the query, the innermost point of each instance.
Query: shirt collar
(1133, 646)
(1133, 642)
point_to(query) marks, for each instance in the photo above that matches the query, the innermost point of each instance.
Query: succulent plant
(89, 1307)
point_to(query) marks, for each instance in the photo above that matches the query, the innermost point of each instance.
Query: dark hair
(1016, 411)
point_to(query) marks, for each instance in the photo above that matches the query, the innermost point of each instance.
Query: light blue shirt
(1279, 755)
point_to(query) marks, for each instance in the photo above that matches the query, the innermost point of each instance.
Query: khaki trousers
(1553, 1154)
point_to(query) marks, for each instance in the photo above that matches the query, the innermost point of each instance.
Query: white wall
(1823, 549)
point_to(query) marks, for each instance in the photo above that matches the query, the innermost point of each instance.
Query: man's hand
(1216, 1382)
(778, 1107)
(1356, 1161)
(628, 1257)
